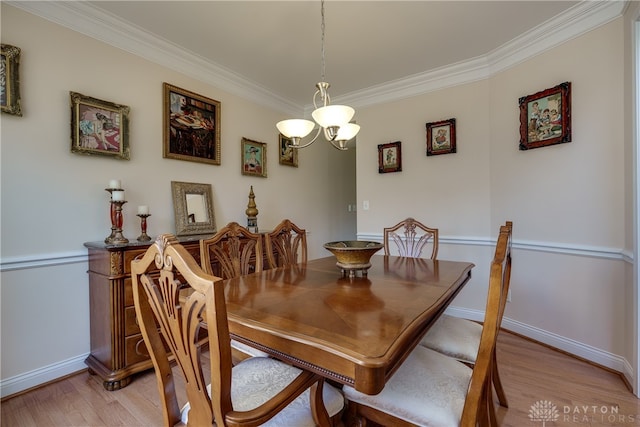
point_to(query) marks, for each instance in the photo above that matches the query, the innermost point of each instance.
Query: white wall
(571, 256)
(567, 201)
(53, 201)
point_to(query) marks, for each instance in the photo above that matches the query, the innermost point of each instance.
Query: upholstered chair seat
(256, 380)
(429, 389)
(456, 337)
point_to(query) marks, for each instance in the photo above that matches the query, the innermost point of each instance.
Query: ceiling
(277, 44)
(274, 47)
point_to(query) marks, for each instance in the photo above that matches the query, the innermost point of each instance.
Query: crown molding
(98, 24)
(583, 17)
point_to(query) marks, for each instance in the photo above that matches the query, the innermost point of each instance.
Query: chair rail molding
(550, 247)
(44, 260)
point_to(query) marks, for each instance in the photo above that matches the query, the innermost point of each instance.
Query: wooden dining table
(356, 331)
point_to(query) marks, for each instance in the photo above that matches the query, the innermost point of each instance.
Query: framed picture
(191, 126)
(288, 155)
(99, 127)
(389, 157)
(254, 158)
(10, 80)
(441, 137)
(545, 117)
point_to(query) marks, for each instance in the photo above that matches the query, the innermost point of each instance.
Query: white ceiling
(275, 46)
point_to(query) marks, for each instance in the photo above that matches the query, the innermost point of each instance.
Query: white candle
(117, 195)
(143, 210)
(114, 183)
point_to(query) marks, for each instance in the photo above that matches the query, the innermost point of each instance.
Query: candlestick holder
(143, 237)
(116, 236)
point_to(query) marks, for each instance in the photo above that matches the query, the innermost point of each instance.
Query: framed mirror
(193, 208)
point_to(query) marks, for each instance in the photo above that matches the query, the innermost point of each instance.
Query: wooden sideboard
(117, 347)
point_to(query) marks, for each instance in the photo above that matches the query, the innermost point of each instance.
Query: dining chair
(233, 251)
(257, 391)
(411, 238)
(286, 245)
(460, 338)
(431, 389)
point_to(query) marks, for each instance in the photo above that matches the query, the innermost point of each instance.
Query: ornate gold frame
(10, 79)
(190, 126)
(187, 222)
(94, 120)
(287, 155)
(254, 158)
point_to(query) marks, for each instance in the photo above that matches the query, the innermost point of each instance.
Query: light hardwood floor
(532, 374)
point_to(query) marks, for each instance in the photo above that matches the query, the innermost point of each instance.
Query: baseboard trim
(40, 376)
(589, 353)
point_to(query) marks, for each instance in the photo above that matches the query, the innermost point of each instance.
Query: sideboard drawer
(136, 350)
(130, 256)
(131, 326)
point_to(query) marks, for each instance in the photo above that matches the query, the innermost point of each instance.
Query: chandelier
(332, 120)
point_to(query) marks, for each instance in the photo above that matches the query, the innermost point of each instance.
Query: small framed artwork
(389, 157)
(254, 158)
(441, 137)
(288, 155)
(545, 117)
(99, 127)
(191, 126)
(10, 80)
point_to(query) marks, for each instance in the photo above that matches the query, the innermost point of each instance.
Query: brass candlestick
(143, 237)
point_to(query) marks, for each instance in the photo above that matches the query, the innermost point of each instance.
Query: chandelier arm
(308, 143)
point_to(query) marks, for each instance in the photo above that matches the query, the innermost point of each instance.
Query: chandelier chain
(322, 28)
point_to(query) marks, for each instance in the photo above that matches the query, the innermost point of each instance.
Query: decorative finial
(252, 213)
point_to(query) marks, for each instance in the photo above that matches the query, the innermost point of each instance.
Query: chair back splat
(411, 237)
(157, 300)
(286, 245)
(179, 308)
(233, 251)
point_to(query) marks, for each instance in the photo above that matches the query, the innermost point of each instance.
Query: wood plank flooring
(532, 374)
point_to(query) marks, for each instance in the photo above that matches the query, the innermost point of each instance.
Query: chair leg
(497, 383)
(491, 409)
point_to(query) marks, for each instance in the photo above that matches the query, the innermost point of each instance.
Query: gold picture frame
(288, 155)
(191, 126)
(10, 80)
(193, 208)
(254, 158)
(99, 127)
